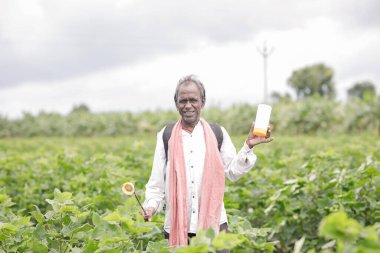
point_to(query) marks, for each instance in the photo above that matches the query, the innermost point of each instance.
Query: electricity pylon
(265, 52)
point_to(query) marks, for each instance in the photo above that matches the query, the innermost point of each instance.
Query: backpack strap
(218, 133)
(166, 136)
(168, 132)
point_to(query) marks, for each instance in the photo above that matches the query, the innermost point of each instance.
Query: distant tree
(312, 80)
(80, 108)
(362, 90)
(277, 96)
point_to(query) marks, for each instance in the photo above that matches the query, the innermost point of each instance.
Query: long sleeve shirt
(157, 188)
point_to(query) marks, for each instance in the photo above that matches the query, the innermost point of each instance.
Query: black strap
(218, 133)
(166, 136)
(169, 128)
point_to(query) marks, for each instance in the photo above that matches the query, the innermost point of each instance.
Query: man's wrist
(151, 209)
(248, 145)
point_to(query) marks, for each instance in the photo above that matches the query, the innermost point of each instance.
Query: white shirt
(157, 188)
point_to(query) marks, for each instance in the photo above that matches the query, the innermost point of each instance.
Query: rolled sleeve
(246, 156)
(155, 188)
(236, 165)
(151, 203)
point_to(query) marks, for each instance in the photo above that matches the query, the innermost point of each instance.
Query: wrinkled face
(189, 104)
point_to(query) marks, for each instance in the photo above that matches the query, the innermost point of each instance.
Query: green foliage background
(315, 188)
(312, 115)
(64, 195)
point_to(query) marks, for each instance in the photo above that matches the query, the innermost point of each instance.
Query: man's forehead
(189, 87)
(188, 96)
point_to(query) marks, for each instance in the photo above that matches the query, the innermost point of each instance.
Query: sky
(128, 55)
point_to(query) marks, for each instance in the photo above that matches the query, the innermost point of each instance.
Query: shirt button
(193, 211)
(191, 151)
(193, 197)
(192, 182)
(192, 166)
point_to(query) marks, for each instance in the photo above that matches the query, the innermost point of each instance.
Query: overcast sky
(127, 55)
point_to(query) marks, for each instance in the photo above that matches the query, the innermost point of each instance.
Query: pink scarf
(212, 186)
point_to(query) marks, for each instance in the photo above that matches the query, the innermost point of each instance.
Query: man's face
(189, 104)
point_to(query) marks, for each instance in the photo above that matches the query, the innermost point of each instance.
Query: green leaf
(291, 181)
(210, 233)
(298, 245)
(21, 221)
(226, 241)
(369, 246)
(200, 239)
(158, 247)
(97, 220)
(339, 226)
(8, 228)
(38, 246)
(330, 184)
(329, 245)
(69, 209)
(193, 249)
(39, 232)
(84, 228)
(38, 215)
(83, 216)
(5, 201)
(91, 247)
(50, 215)
(66, 220)
(112, 218)
(75, 228)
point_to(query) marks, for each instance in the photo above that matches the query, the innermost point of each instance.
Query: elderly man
(189, 169)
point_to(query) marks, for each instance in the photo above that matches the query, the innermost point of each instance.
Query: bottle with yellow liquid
(262, 120)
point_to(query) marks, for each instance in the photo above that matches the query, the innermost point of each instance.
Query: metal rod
(139, 203)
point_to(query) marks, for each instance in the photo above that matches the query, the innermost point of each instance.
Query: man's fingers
(148, 213)
(264, 140)
(147, 217)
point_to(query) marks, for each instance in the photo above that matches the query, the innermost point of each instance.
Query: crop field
(305, 194)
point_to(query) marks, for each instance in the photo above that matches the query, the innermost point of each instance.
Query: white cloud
(128, 55)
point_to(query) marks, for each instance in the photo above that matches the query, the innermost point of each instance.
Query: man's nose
(188, 103)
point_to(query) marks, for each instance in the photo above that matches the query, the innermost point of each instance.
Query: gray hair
(190, 79)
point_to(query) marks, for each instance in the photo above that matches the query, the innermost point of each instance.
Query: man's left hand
(253, 140)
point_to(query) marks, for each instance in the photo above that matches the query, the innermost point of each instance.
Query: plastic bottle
(262, 120)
